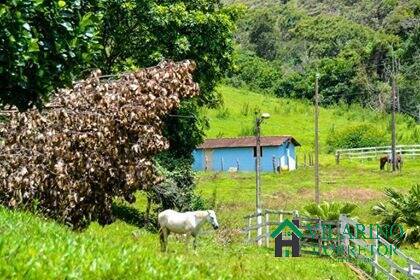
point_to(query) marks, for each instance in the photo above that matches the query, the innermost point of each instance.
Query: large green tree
(43, 45)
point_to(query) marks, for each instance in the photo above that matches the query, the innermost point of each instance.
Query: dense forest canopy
(350, 44)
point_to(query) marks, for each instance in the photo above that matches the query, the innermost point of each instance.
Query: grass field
(295, 117)
(32, 247)
(35, 248)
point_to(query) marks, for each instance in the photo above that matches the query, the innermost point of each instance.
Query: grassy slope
(292, 117)
(34, 248)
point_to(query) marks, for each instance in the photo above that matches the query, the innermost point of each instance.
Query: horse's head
(211, 217)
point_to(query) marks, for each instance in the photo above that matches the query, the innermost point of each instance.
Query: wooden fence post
(344, 239)
(410, 269)
(375, 254)
(267, 229)
(320, 237)
(337, 157)
(274, 164)
(222, 164)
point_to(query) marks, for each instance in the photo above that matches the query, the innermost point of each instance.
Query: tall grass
(295, 117)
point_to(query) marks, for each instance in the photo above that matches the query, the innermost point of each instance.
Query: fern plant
(401, 210)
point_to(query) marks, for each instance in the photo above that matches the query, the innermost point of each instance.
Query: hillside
(128, 249)
(295, 117)
(350, 46)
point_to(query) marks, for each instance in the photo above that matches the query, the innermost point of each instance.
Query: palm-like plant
(328, 210)
(401, 210)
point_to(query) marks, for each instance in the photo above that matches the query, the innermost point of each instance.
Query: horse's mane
(200, 214)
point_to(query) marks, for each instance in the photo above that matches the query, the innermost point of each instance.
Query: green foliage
(253, 71)
(176, 191)
(357, 136)
(262, 37)
(145, 32)
(328, 211)
(401, 210)
(222, 113)
(43, 46)
(348, 44)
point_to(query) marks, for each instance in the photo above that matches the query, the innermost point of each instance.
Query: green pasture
(35, 248)
(295, 117)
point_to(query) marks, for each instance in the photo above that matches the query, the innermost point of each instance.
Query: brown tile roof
(246, 142)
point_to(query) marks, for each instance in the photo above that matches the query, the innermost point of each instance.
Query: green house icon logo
(277, 234)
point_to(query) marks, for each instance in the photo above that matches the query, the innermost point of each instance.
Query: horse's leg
(161, 239)
(194, 235)
(163, 233)
(187, 240)
(195, 242)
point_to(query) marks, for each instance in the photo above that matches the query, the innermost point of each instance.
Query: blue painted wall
(229, 157)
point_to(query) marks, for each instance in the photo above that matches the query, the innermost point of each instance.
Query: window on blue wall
(255, 151)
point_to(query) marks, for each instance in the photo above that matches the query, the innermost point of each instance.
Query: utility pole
(257, 177)
(393, 133)
(317, 195)
(258, 121)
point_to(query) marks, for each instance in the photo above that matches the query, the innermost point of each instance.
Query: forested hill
(353, 45)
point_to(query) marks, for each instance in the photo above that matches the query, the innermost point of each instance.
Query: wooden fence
(270, 220)
(383, 263)
(368, 249)
(375, 152)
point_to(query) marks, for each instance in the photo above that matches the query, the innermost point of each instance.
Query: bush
(401, 210)
(98, 143)
(356, 136)
(257, 73)
(176, 191)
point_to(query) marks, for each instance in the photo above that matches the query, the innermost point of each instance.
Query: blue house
(223, 154)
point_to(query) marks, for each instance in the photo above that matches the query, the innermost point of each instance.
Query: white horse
(183, 223)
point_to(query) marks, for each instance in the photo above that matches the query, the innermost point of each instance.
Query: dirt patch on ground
(231, 206)
(277, 200)
(281, 200)
(352, 194)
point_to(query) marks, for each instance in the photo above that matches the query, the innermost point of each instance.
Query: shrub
(356, 136)
(403, 210)
(255, 72)
(176, 191)
(98, 143)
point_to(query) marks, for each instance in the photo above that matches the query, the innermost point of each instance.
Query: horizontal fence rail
(375, 152)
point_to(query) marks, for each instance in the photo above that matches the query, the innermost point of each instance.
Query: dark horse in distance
(387, 159)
